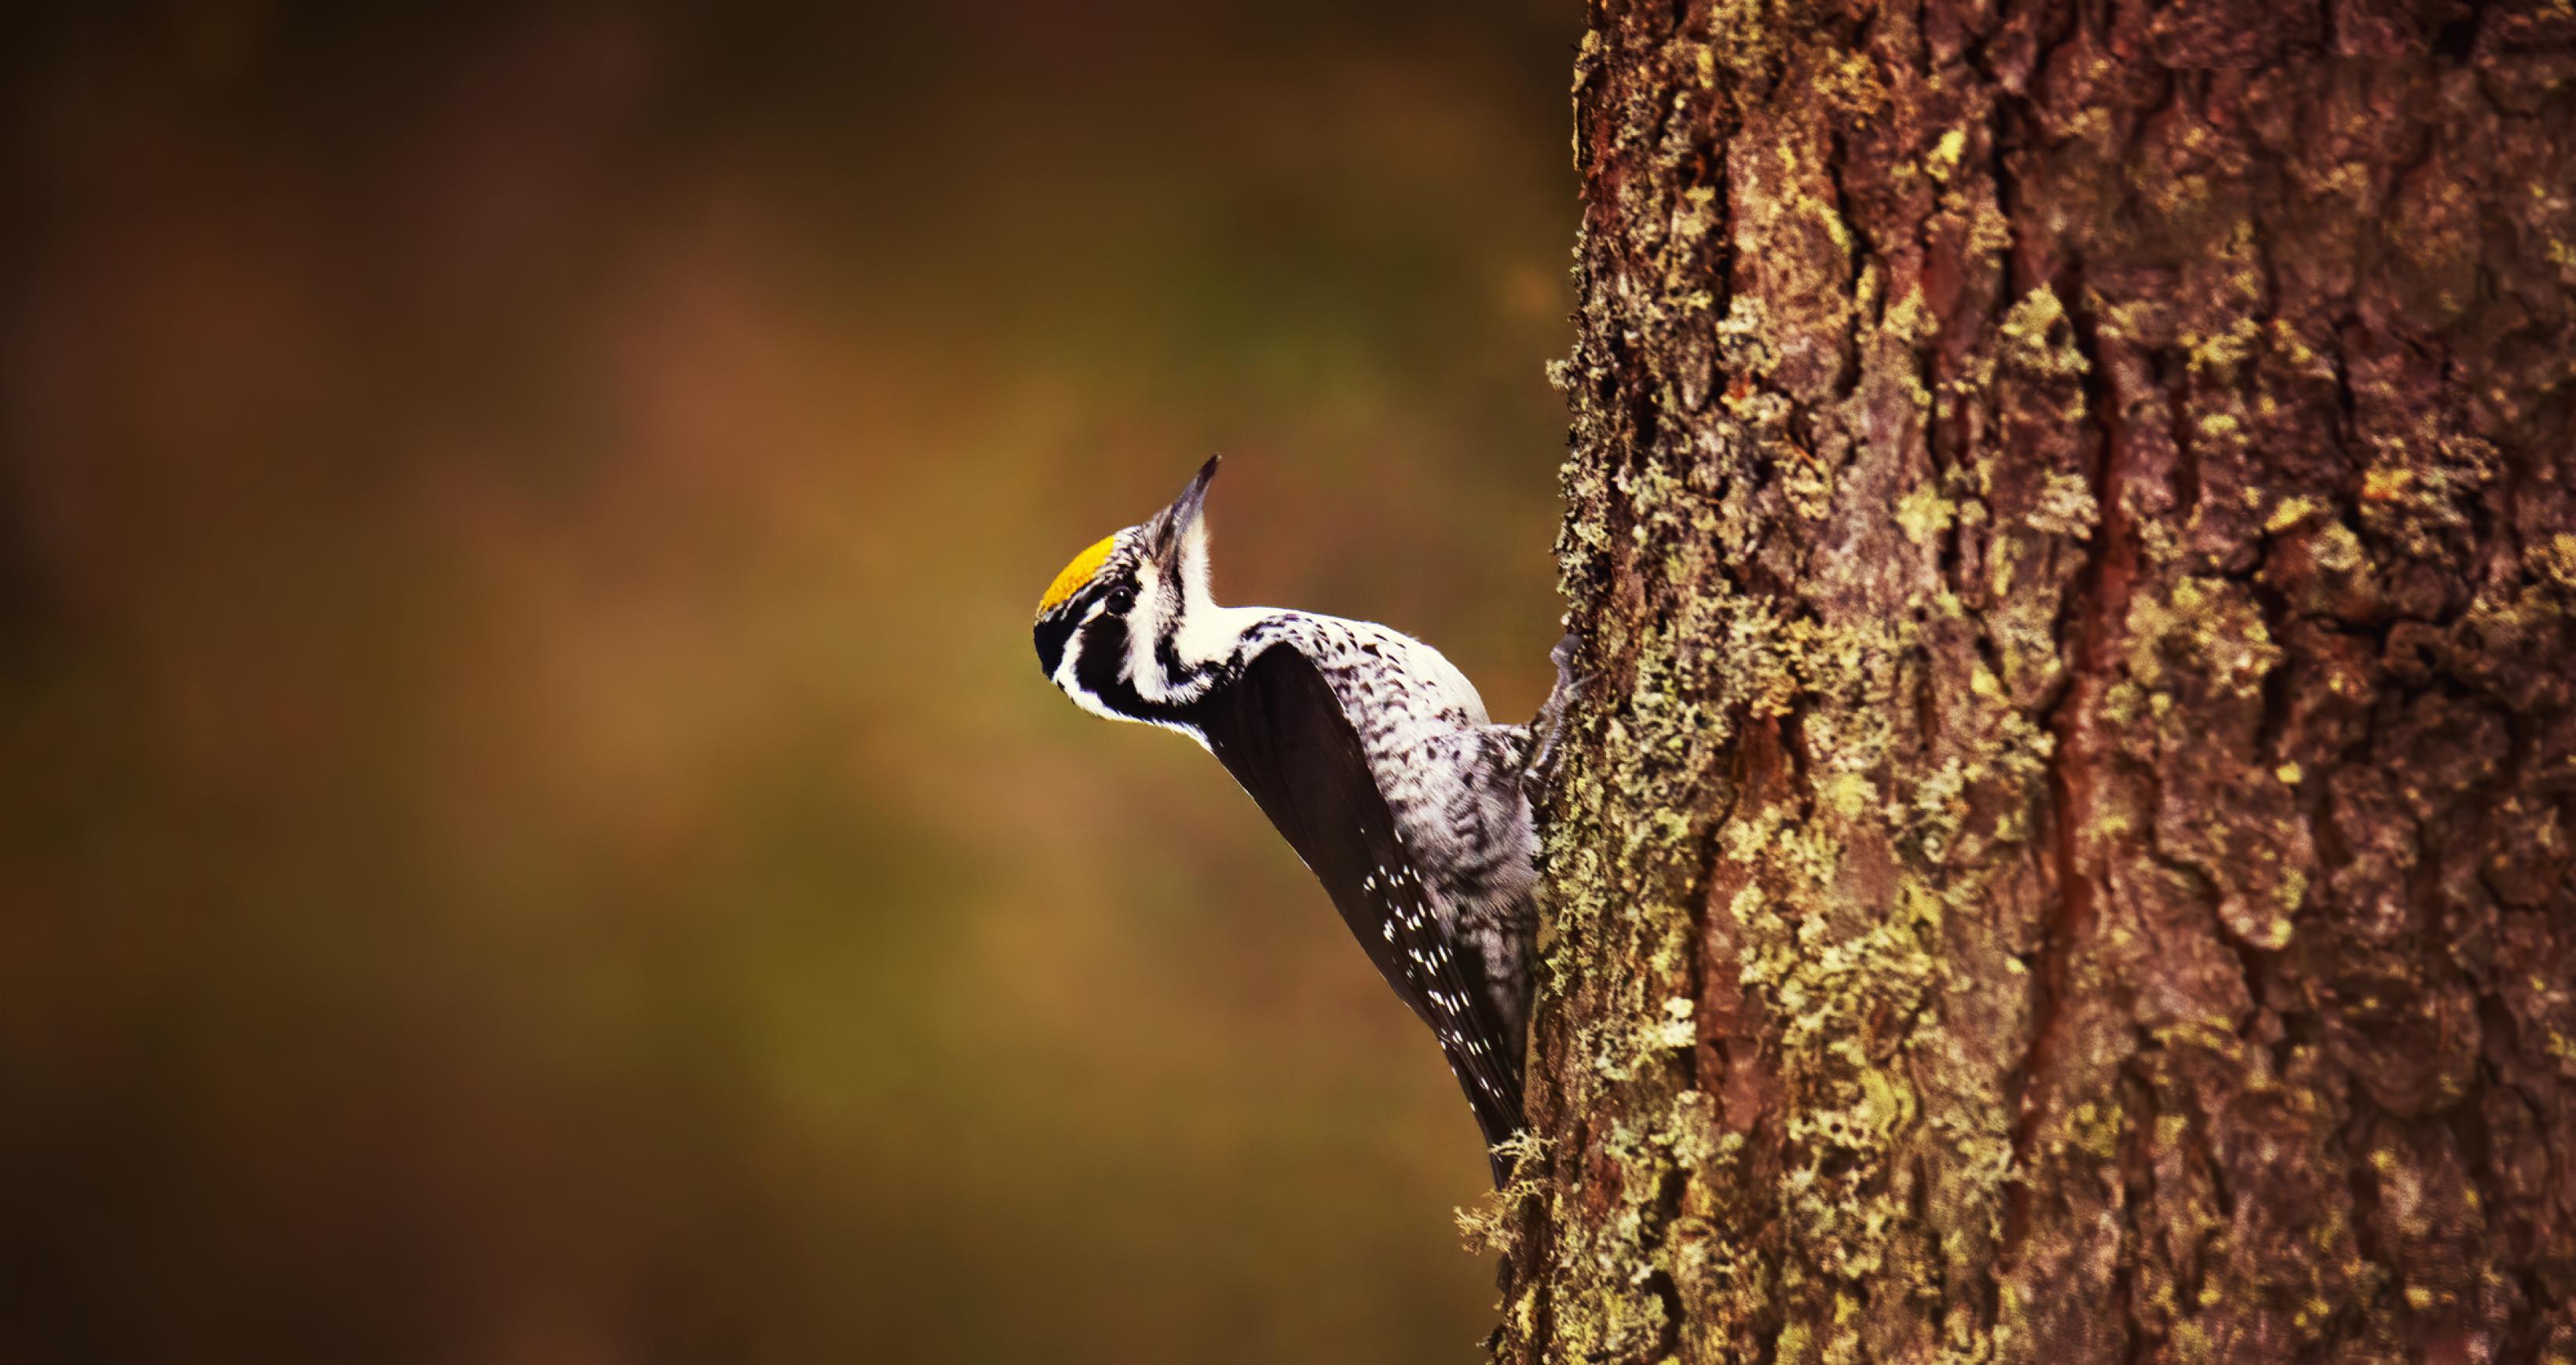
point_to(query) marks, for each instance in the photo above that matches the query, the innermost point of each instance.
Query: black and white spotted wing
(1281, 732)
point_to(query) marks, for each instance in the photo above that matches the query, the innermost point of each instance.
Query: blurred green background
(533, 832)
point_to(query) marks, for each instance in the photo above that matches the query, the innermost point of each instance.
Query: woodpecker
(1371, 754)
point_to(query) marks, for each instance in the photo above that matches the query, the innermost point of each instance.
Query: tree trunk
(2066, 851)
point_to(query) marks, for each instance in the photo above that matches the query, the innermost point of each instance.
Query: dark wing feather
(1280, 730)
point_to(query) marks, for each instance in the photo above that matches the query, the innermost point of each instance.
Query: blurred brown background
(533, 832)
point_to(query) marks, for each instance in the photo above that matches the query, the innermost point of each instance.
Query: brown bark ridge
(2066, 852)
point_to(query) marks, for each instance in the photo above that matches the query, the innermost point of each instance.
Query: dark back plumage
(1278, 728)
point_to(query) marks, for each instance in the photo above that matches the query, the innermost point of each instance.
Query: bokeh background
(531, 829)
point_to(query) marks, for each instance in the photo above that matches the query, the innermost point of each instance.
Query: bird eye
(1121, 598)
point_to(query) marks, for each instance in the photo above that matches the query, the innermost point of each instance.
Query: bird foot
(1549, 726)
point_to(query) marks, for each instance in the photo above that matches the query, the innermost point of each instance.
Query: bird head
(1113, 630)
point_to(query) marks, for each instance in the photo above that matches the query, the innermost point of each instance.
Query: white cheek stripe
(1144, 627)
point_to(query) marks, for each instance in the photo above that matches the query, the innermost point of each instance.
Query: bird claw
(1549, 726)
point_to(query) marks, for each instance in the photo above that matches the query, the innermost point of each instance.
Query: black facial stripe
(1104, 647)
(1053, 631)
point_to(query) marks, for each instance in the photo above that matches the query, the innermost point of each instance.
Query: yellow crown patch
(1076, 574)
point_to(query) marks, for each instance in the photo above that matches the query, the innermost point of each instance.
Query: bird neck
(1179, 663)
(1214, 636)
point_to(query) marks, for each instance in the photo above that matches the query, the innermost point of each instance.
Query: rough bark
(2066, 854)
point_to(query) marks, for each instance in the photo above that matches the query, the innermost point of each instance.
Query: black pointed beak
(1184, 509)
